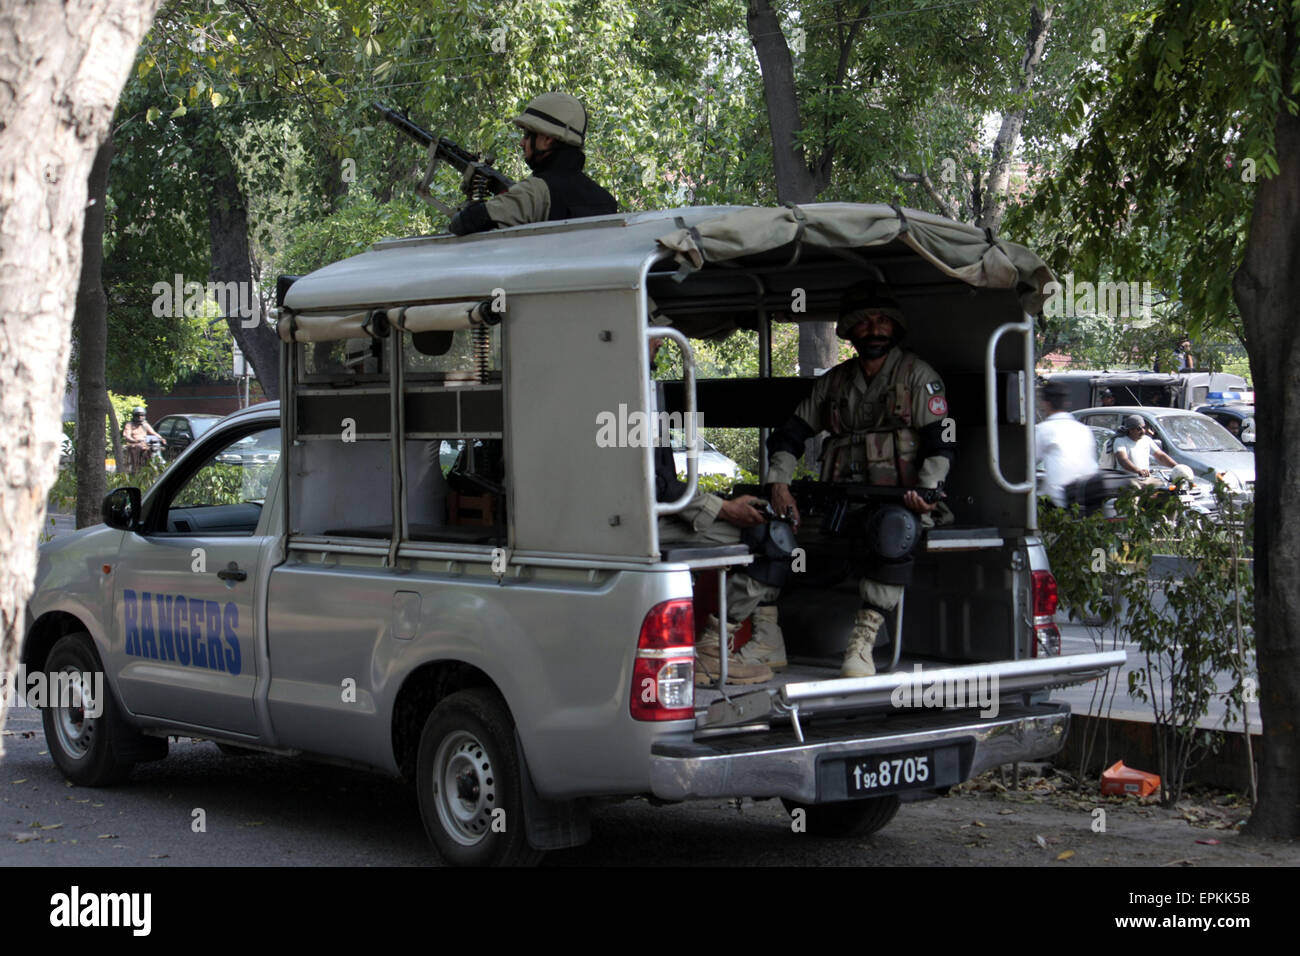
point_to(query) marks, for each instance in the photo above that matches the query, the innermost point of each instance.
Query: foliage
(360, 221)
(123, 405)
(155, 230)
(214, 484)
(63, 494)
(225, 484)
(1161, 183)
(722, 484)
(1185, 624)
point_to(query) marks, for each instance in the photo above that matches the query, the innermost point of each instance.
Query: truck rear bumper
(776, 764)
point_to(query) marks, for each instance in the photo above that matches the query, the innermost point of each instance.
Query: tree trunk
(993, 201)
(91, 325)
(231, 262)
(795, 182)
(1267, 291)
(62, 66)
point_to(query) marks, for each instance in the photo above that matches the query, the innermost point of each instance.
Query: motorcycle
(1099, 491)
(151, 454)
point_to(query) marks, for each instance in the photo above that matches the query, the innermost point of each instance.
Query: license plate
(886, 773)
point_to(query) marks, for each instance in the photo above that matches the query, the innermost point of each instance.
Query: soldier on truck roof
(555, 129)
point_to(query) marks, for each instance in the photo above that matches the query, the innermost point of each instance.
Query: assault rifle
(837, 498)
(486, 180)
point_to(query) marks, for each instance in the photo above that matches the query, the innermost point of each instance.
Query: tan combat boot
(708, 666)
(767, 646)
(857, 657)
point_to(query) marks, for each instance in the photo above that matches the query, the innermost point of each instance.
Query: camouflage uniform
(890, 430)
(699, 523)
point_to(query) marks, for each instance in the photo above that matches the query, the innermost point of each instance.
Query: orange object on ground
(1121, 781)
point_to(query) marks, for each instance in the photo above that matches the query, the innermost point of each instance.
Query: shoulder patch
(934, 388)
(937, 405)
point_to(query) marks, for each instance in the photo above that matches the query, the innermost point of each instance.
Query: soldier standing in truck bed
(555, 128)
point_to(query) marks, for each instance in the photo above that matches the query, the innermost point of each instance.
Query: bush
(1190, 628)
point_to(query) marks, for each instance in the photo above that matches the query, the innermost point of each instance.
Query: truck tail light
(1047, 638)
(663, 678)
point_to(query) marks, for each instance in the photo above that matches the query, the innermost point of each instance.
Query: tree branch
(993, 202)
(926, 184)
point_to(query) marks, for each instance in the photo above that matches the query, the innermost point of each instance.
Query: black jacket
(573, 194)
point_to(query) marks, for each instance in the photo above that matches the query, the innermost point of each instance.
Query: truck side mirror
(121, 509)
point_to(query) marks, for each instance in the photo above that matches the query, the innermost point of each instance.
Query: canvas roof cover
(611, 252)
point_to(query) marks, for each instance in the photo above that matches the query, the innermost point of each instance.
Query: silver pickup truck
(424, 562)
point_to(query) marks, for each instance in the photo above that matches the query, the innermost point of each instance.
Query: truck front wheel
(88, 739)
(849, 818)
(467, 775)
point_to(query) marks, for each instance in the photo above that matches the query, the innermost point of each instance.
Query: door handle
(232, 573)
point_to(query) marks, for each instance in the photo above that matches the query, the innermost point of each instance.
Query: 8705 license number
(888, 772)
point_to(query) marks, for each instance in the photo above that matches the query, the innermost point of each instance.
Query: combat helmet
(555, 114)
(872, 295)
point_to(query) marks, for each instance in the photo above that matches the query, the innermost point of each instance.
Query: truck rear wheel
(91, 751)
(847, 818)
(468, 780)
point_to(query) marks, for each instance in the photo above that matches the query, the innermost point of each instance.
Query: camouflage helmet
(870, 295)
(555, 114)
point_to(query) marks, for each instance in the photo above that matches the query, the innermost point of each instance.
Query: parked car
(1189, 438)
(180, 431)
(255, 449)
(710, 460)
(1238, 417)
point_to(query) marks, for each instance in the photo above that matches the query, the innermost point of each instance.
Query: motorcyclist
(1134, 449)
(137, 434)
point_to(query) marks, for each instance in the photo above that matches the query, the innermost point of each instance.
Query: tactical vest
(881, 450)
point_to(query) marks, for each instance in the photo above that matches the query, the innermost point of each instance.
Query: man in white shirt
(1066, 449)
(1134, 451)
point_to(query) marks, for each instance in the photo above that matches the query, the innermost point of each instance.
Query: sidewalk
(1076, 640)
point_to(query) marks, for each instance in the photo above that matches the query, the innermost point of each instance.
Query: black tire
(468, 743)
(230, 750)
(90, 751)
(850, 818)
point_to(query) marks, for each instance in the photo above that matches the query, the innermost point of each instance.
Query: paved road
(268, 811)
(58, 525)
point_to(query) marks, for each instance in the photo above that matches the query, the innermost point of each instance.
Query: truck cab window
(226, 492)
